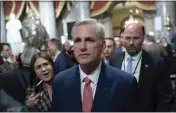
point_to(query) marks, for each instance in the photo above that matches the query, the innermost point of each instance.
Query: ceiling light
(131, 11)
(151, 33)
(137, 11)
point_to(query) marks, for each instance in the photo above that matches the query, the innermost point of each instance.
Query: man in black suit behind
(14, 84)
(60, 58)
(154, 84)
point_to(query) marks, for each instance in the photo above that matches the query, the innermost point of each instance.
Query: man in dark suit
(61, 60)
(109, 49)
(92, 85)
(13, 89)
(9, 63)
(154, 84)
(168, 48)
(150, 46)
(14, 84)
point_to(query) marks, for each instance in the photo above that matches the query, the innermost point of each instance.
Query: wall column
(149, 22)
(78, 11)
(107, 22)
(3, 26)
(47, 16)
(165, 9)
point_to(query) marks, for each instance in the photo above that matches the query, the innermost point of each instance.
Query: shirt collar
(7, 60)
(135, 58)
(4, 59)
(56, 55)
(165, 44)
(106, 61)
(92, 76)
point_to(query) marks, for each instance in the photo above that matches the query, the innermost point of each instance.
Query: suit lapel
(75, 89)
(145, 66)
(120, 60)
(102, 91)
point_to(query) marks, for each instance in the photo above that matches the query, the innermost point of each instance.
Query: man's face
(109, 48)
(163, 41)
(117, 41)
(87, 45)
(51, 48)
(133, 39)
(6, 52)
(67, 46)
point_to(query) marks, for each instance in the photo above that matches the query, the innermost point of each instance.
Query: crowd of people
(125, 73)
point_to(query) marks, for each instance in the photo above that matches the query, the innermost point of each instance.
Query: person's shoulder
(11, 77)
(116, 54)
(117, 74)
(120, 78)
(61, 56)
(9, 74)
(62, 53)
(155, 58)
(67, 74)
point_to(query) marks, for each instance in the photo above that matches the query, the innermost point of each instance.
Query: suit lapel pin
(146, 65)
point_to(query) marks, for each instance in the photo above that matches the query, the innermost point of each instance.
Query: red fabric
(87, 96)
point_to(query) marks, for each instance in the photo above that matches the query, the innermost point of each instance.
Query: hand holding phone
(39, 87)
(32, 100)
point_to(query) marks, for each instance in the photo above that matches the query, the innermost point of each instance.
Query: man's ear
(103, 45)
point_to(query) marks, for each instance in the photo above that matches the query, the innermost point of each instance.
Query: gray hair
(150, 38)
(93, 22)
(27, 55)
(56, 43)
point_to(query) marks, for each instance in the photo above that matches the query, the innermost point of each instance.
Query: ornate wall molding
(16, 7)
(59, 8)
(149, 15)
(34, 6)
(147, 7)
(100, 10)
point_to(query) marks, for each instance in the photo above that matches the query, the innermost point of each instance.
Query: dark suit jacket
(154, 86)
(168, 49)
(13, 87)
(170, 58)
(116, 91)
(7, 103)
(61, 63)
(7, 67)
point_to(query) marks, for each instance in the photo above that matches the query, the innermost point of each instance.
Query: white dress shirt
(135, 65)
(93, 77)
(8, 60)
(56, 55)
(106, 61)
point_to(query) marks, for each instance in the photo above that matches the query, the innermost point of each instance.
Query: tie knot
(130, 59)
(87, 80)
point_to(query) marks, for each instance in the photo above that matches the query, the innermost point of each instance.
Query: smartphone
(39, 86)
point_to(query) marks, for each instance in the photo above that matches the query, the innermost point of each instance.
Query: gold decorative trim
(12, 10)
(92, 4)
(101, 10)
(144, 6)
(21, 9)
(33, 7)
(59, 8)
(68, 6)
(136, 17)
(13, 7)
